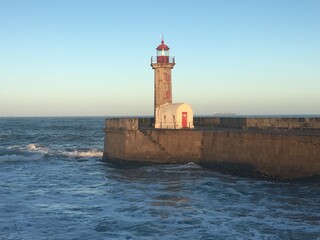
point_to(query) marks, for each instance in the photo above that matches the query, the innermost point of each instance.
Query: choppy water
(54, 185)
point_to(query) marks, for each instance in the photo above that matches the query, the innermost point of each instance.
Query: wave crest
(34, 151)
(75, 153)
(90, 153)
(35, 148)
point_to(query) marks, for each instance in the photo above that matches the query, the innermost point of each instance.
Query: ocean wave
(75, 153)
(192, 164)
(14, 147)
(37, 148)
(90, 153)
(36, 151)
(15, 157)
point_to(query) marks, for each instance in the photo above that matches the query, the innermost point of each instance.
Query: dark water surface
(54, 185)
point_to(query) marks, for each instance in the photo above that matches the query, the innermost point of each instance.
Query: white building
(174, 116)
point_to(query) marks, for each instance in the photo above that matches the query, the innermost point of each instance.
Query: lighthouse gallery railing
(162, 59)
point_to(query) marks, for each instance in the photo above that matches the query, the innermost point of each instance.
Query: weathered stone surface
(275, 155)
(275, 123)
(122, 124)
(162, 83)
(283, 123)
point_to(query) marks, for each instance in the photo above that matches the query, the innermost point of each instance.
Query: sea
(55, 185)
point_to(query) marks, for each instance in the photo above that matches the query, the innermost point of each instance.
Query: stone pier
(281, 148)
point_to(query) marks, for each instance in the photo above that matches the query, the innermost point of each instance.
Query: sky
(92, 58)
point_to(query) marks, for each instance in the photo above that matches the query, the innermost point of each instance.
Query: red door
(184, 119)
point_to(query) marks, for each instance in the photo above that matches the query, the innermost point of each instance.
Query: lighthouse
(167, 114)
(162, 65)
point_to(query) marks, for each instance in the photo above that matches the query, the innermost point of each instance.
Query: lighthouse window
(163, 52)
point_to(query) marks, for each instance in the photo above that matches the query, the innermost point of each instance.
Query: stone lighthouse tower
(166, 114)
(162, 65)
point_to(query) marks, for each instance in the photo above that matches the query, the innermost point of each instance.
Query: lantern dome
(162, 46)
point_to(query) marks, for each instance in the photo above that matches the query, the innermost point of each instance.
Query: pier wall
(274, 155)
(275, 123)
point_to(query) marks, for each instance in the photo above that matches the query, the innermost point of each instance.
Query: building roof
(175, 107)
(162, 46)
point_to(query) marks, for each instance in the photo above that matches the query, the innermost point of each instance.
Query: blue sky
(92, 58)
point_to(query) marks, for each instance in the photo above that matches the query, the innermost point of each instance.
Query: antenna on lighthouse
(162, 37)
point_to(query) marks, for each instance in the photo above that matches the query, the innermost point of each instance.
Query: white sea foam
(32, 147)
(14, 147)
(192, 164)
(40, 151)
(36, 148)
(90, 153)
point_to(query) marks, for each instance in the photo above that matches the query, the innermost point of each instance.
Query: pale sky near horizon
(92, 58)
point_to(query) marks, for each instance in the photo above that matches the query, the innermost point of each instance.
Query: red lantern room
(162, 53)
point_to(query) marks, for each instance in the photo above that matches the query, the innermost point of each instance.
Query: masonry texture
(284, 148)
